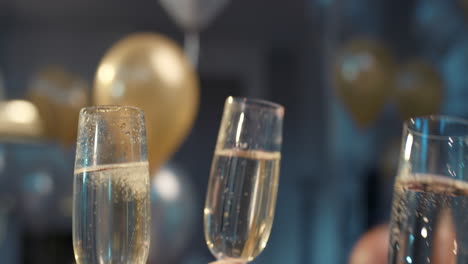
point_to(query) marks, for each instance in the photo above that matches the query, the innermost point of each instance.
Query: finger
(444, 243)
(372, 248)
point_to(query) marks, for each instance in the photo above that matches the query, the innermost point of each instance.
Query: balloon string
(192, 47)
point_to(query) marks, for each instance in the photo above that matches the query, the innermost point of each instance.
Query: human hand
(372, 248)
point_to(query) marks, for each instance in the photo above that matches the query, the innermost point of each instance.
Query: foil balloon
(437, 24)
(454, 71)
(363, 75)
(192, 16)
(418, 89)
(173, 215)
(151, 72)
(59, 96)
(19, 120)
(41, 184)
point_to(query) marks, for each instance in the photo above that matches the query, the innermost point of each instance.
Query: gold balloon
(418, 89)
(363, 74)
(59, 96)
(150, 71)
(19, 120)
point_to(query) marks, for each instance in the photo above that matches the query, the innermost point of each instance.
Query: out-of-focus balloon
(37, 191)
(151, 72)
(44, 177)
(59, 96)
(418, 89)
(363, 75)
(454, 71)
(193, 15)
(19, 120)
(437, 24)
(173, 214)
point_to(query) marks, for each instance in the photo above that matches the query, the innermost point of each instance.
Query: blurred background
(347, 71)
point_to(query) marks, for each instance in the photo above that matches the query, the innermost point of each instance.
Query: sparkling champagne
(112, 211)
(240, 204)
(429, 220)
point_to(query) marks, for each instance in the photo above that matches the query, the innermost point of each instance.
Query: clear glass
(430, 202)
(111, 194)
(243, 184)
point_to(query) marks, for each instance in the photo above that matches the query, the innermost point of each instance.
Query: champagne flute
(430, 200)
(243, 184)
(111, 197)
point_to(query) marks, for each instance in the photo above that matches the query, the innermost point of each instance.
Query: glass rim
(409, 126)
(110, 109)
(255, 101)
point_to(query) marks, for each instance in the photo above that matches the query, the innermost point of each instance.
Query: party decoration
(19, 120)
(192, 16)
(59, 96)
(418, 89)
(454, 71)
(437, 24)
(359, 14)
(41, 185)
(151, 72)
(174, 214)
(363, 74)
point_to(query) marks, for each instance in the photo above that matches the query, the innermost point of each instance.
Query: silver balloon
(174, 214)
(192, 16)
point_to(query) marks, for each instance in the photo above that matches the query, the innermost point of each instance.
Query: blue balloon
(455, 74)
(43, 176)
(437, 24)
(174, 214)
